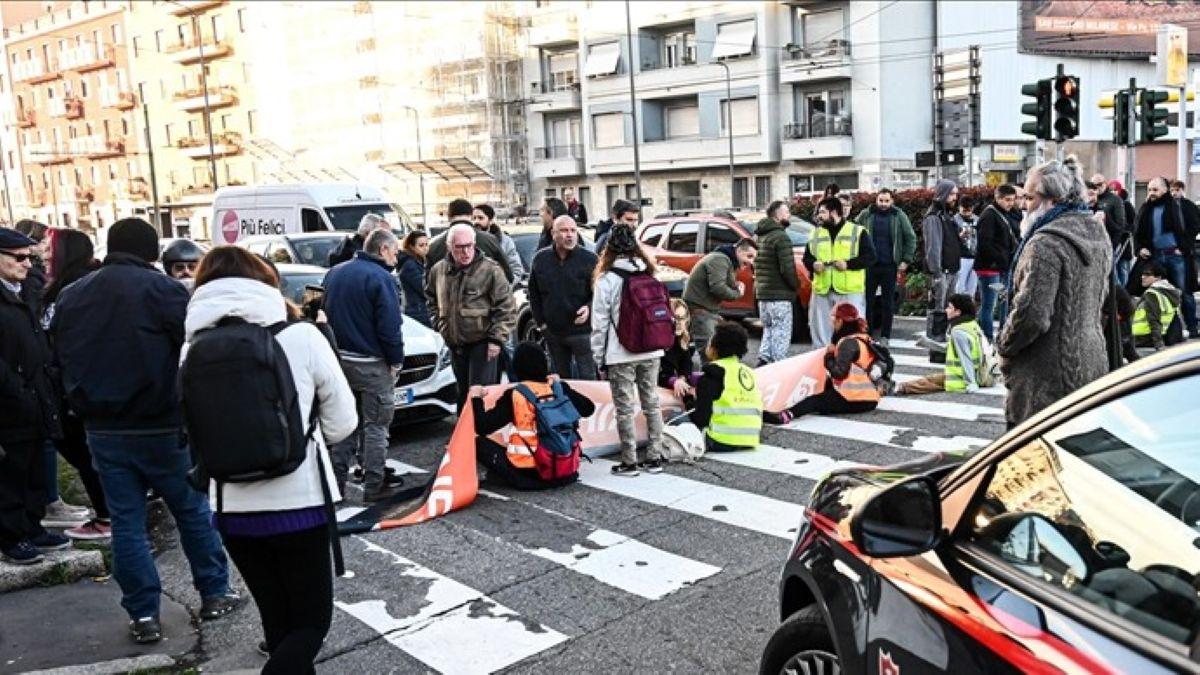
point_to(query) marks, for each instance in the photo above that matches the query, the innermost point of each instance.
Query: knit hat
(942, 190)
(529, 362)
(621, 240)
(10, 239)
(848, 315)
(135, 237)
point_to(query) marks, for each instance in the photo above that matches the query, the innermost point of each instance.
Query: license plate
(402, 396)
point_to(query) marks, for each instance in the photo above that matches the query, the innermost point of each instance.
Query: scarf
(1045, 219)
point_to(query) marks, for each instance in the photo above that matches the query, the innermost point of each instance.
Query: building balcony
(187, 7)
(223, 144)
(557, 161)
(682, 153)
(563, 97)
(56, 107)
(192, 100)
(86, 57)
(551, 27)
(134, 189)
(73, 107)
(814, 63)
(33, 71)
(825, 139)
(194, 52)
(85, 193)
(196, 190)
(46, 153)
(114, 97)
(97, 146)
(26, 119)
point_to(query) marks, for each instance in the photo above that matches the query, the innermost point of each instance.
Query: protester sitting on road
(70, 259)
(560, 299)
(180, 259)
(117, 335)
(1156, 320)
(29, 416)
(364, 311)
(472, 307)
(514, 462)
(460, 212)
(967, 353)
(853, 368)
(1052, 343)
(410, 268)
(354, 243)
(677, 371)
(630, 375)
(728, 406)
(714, 280)
(484, 219)
(276, 529)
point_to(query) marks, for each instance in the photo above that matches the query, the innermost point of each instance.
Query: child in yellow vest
(728, 406)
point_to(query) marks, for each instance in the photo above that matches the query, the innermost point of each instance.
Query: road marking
(997, 390)
(910, 361)
(915, 405)
(457, 629)
(781, 460)
(725, 505)
(882, 434)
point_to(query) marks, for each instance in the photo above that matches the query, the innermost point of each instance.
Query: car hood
(419, 339)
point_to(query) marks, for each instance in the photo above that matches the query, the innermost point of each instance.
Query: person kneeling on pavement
(727, 405)
(968, 365)
(1156, 321)
(857, 370)
(515, 463)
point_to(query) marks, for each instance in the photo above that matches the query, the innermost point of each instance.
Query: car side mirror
(904, 519)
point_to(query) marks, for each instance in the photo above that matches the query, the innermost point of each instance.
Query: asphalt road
(650, 574)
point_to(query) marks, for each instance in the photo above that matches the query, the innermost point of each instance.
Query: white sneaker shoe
(61, 514)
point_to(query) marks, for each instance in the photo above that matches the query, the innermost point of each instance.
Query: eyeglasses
(463, 247)
(181, 266)
(19, 257)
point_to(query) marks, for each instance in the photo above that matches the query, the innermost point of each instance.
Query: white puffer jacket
(316, 371)
(606, 308)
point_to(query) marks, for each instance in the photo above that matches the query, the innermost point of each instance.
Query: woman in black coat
(411, 270)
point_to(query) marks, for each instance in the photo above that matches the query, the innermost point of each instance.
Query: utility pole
(1059, 139)
(1182, 159)
(637, 162)
(1130, 155)
(420, 176)
(212, 155)
(153, 174)
(4, 170)
(729, 124)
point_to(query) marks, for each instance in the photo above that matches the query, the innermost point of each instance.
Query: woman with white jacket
(629, 375)
(276, 530)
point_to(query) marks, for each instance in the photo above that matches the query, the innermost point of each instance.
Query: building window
(807, 184)
(250, 121)
(241, 14)
(631, 192)
(225, 122)
(116, 33)
(683, 195)
(741, 193)
(112, 170)
(158, 38)
(820, 113)
(603, 59)
(608, 130)
(137, 45)
(611, 194)
(98, 40)
(735, 39)
(682, 119)
(678, 48)
(83, 88)
(745, 116)
(815, 30)
(124, 127)
(218, 30)
(762, 191)
(564, 71)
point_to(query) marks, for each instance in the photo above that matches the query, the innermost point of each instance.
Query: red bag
(555, 467)
(645, 322)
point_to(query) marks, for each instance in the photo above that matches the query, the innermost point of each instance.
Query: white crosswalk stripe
(781, 460)
(858, 431)
(916, 405)
(997, 390)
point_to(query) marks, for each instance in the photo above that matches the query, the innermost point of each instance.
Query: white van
(243, 211)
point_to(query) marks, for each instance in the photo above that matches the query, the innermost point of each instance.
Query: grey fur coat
(1053, 341)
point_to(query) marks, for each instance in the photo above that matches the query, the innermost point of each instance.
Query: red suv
(681, 239)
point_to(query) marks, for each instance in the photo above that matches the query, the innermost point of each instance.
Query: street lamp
(420, 176)
(729, 124)
(212, 155)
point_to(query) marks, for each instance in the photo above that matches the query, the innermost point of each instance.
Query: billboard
(1118, 28)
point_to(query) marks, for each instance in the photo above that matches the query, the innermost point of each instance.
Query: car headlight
(443, 360)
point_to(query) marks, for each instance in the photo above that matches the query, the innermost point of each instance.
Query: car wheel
(801, 646)
(799, 323)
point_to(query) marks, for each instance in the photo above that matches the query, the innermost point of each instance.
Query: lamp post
(420, 176)
(637, 162)
(4, 170)
(729, 124)
(212, 155)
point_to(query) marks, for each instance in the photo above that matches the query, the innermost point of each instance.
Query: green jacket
(713, 280)
(775, 267)
(904, 239)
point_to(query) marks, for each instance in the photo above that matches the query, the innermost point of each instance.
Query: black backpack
(242, 411)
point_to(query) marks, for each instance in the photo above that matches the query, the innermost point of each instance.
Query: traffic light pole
(1059, 150)
(1181, 163)
(1130, 155)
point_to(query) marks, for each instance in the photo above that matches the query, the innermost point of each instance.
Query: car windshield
(294, 283)
(346, 218)
(798, 230)
(315, 250)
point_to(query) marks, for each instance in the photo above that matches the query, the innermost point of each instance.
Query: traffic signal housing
(1039, 109)
(1122, 127)
(1066, 106)
(1154, 118)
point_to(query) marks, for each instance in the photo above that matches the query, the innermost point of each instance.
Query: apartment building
(72, 157)
(802, 103)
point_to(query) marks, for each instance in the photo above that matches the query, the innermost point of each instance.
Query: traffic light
(1066, 106)
(1039, 109)
(1121, 124)
(1154, 118)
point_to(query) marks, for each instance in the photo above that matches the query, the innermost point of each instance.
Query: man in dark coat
(1162, 235)
(943, 255)
(459, 211)
(993, 259)
(354, 243)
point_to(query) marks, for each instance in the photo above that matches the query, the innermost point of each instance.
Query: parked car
(307, 248)
(681, 239)
(1069, 545)
(425, 388)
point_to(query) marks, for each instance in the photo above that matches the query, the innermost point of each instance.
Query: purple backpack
(645, 322)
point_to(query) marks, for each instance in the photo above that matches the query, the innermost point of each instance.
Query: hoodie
(714, 279)
(775, 268)
(606, 308)
(1154, 312)
(316, 373)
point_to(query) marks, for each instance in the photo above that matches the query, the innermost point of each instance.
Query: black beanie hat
(529, 363)
(135, 237)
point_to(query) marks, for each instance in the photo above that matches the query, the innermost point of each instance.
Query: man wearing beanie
(943, 255)
(117, 334)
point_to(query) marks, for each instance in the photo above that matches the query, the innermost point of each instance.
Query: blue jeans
(1121, 269)
(988, 297)
(1177, 275)
(130, 465)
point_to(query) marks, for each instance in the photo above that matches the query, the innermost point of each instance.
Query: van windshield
(346, 218)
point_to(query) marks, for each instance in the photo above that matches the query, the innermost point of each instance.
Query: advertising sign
(1119, 28)
(1172, 55)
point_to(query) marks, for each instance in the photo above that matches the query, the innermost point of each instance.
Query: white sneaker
(61, 514)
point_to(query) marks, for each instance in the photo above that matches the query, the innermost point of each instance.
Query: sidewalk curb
(130, 665)
(63, 566)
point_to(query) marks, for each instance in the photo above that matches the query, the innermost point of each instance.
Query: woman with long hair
(678, 370)
(629, 374)
(72, 257)
(410, 267)
(276, 530)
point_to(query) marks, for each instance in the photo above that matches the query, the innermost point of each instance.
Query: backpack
(645, 322)
(242, 412)
(883, 359)
(559, 445)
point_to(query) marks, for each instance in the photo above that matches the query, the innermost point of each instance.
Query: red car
(681, 239)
